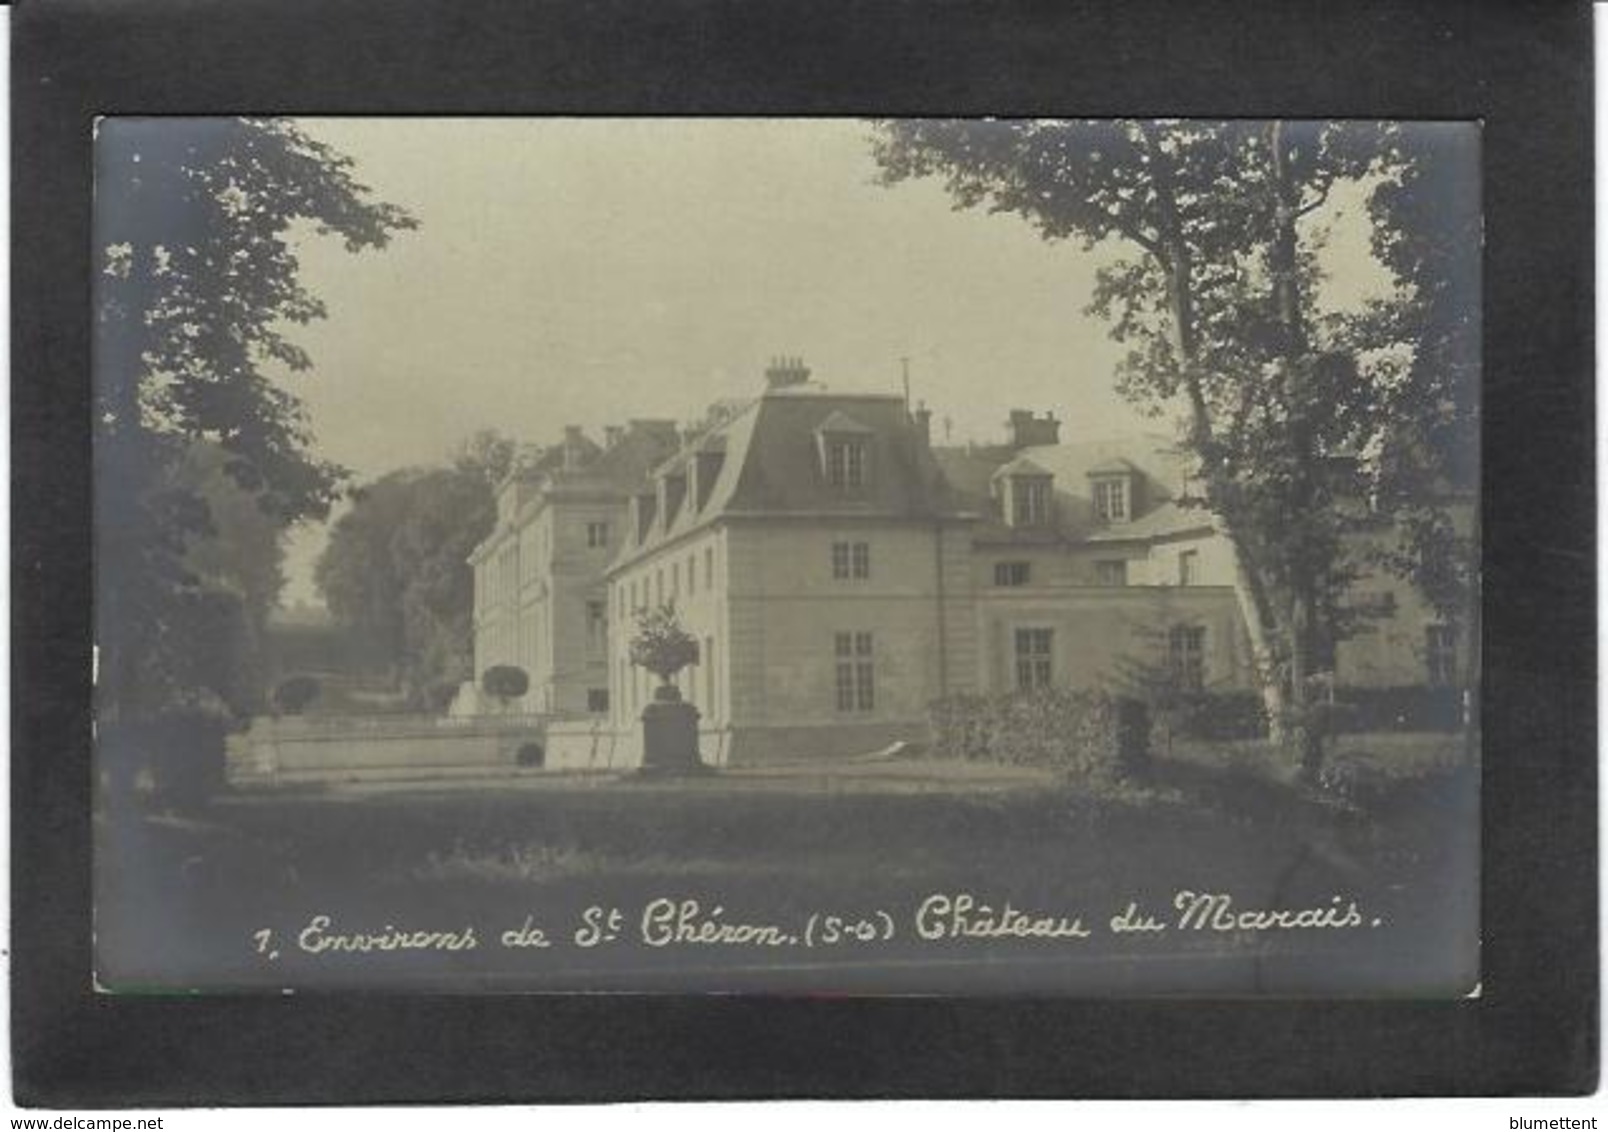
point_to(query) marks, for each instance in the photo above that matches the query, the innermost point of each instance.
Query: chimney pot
(1028, 430)
(923, 417)
(786, 370)
(572, 447)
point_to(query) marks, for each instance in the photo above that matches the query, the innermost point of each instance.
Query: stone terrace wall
(311, 749)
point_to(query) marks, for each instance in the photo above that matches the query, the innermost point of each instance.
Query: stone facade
(541, 603)
(840, 572)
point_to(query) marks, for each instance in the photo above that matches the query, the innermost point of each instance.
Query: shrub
(1083, 735)
(296, 694)
(186, 758)
(1219, 716)
(438, 696)
(660, 644)
(505, 682)
(1411, 708)
(1230, 716)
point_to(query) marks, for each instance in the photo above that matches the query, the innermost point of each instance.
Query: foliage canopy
(1294, 415)
(196, 289)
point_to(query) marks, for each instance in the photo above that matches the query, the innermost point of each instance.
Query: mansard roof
(1116, 466)
(644, 445)
(1169, 519)
(837, 421)
(772, 464)
(1020, 466)
(1158, 469)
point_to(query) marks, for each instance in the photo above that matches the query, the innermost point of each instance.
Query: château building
(840, 572)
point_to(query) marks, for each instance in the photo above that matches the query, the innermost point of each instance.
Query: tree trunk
(1304, 737)
(1306, 734)
(1252, 601)
(1248, 589)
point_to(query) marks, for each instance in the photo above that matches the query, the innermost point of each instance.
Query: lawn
(826, 878)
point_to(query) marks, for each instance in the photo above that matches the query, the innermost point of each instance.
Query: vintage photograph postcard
(787, 555)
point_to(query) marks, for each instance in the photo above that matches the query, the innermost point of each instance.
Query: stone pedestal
(670, 735)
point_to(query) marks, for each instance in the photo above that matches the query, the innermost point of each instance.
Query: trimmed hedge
(1090, 735)
(1413, 708)
(1218, 717)
(1228, 716)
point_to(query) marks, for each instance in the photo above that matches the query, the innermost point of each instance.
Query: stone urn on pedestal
(669, 723)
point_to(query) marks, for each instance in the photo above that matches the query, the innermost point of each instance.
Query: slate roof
(1166, 520)
(1116, 466)
(772, 465)
(624, 464)
(615, 470)
(1020, 466)
(1159, 472)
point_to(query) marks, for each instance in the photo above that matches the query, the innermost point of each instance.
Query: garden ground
(863, 846)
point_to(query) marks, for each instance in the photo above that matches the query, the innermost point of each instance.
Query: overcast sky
(582, 271)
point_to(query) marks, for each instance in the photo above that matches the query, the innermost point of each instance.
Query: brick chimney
(1027, 430)
(786, 371)
(572, 447)
(922, 418)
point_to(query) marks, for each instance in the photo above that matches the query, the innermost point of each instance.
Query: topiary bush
(660, 644)
(505, 682)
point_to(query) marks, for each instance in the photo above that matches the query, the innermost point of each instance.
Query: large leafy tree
(1428, 229)
(235, 569)
(197, 290)
(1215, 289)
(395, 571)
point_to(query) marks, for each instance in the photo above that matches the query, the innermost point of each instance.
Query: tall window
(597, 627)
(1440, 655)
(856, 689)
(692, 576)
(707, 663)
(597, 701)
(845, 463)
(1189, 568)
(1112, 572)
(1111, 499)
(597, 534)
(1186, 656)
(1030, 501)
(851, 560)
(1033, 658)
(1012, 573)
(709, 567)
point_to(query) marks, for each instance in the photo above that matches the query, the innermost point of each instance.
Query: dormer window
(673, 489)
(644, 504)
(1113, 485)
(1030, 501)
(1111, 499)
(1024, 491)
(706, 469)
(845, 451)
(845, 463)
